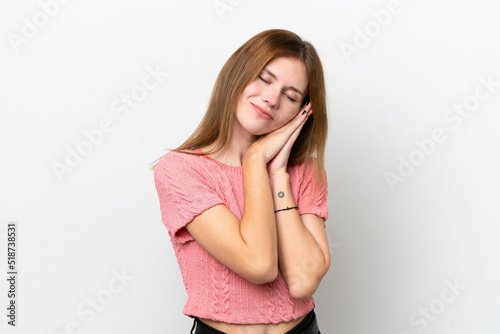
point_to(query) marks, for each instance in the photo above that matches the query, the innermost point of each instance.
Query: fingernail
(304, 112)
(308, 103)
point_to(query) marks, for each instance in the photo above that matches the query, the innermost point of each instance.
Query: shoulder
(180, 159)
(304, 171)
(310, 178)
(175, 164)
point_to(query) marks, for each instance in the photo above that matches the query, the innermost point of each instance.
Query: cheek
(290, 114)
(283, 120)
(252, 89)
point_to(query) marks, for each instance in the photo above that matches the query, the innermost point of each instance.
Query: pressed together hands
(277, 145)
(252, 246)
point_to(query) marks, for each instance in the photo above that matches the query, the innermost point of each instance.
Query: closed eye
(261, 78)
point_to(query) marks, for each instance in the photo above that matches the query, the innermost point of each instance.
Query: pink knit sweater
(187, 185)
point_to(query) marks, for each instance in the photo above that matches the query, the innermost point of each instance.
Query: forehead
(291, 71)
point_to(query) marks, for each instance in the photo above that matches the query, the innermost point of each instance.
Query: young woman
(244, 199)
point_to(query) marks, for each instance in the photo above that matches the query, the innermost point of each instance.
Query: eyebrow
(274, 76)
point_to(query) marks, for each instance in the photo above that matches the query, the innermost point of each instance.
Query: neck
(234, 152)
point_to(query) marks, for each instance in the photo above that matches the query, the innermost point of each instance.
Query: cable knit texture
(187, 185)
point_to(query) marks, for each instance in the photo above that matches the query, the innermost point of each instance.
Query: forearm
(301, 260)
(258, 224)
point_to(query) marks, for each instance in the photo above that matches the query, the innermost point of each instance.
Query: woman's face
(273, 98)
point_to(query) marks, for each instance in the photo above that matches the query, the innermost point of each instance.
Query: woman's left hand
(279, 163)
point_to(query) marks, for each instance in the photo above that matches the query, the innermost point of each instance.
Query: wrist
(282, 193)
(254, 156)
(280, 177)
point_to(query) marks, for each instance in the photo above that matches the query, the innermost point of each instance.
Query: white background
(395, 249)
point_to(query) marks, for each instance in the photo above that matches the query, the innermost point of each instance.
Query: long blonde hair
(242, 68)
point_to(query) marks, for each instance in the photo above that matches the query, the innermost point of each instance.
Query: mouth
(262, 113)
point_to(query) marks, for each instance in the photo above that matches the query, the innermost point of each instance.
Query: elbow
(303, 290)
(266, 277)
(303, 287)
(264, 272)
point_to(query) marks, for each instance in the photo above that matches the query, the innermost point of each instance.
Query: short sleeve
(311, 199)
(184, 191)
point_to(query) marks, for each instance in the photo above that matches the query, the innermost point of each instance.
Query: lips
(262, 113)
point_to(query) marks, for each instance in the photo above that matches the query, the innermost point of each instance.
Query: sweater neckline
(232, 169)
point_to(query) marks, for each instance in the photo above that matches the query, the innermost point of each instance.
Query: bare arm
(303, 250)
(250, 247)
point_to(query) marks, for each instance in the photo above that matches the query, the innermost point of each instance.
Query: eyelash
(263, 79)
(267, 82)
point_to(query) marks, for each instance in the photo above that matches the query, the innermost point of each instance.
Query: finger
(295, 134)
(301, 119)
(285, 150)
(289, 128)
(293, 127)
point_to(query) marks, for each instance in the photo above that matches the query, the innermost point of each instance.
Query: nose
(271, 97)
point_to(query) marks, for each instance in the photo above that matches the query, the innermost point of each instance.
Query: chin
(255, 128)
(259, 131)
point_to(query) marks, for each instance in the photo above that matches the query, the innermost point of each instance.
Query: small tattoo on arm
(281, 194)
